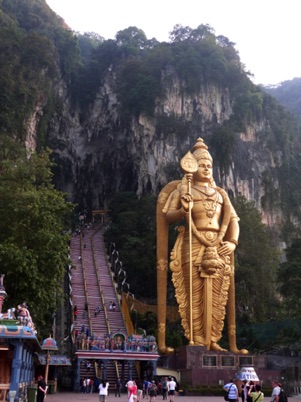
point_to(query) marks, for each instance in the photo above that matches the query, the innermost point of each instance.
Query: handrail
(111, 250)
(85, 285)
(116, 368)
(96, 370)
(126, 316)
(99, 282)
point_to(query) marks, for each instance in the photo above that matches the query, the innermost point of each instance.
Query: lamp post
(48, 344)
(3, 294)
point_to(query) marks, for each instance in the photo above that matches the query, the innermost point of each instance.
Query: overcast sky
(267, 33)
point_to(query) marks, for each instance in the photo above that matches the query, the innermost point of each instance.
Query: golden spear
(190, 165)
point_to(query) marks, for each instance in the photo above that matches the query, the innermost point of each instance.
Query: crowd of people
(251, 391)
(138, 390)
(151, 389)
(87, 385)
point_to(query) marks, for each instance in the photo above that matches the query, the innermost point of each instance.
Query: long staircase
(93, 289)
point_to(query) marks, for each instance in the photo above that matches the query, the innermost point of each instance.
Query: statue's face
(204, 172)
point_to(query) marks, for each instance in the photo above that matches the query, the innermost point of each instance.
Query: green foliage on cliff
(256, 266)
(33, 40)
(137, 89)
(288, 94)
(133, 231)
(33, 247)
(195, 55)
(222, 142)
(289, 280)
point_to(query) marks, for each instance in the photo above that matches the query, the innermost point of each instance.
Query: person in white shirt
(275, 392)
(232, 391)
(171, 386)
(103, 390)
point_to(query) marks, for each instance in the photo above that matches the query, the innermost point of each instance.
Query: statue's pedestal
(198, 366)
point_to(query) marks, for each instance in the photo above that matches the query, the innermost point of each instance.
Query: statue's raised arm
(202, 260)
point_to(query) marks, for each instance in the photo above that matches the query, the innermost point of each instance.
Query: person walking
(171, 385)
(275, 392)
(85, 311)
(242, 392)
(85, 386)
(132, 391)
(75, 312)
(164, 388)
(42, 389)
(118, 387)
(152, 392)
(232, 391)
(146, 384)
(250, 387)
(103, 390)
(256, 395)
(140, 390)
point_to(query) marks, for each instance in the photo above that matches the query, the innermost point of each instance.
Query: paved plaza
(72, 397)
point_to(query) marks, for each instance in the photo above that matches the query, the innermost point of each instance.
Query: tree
(133, 230)
(33, 246)
(180, 33)
(222, 142)
(87, 42)
(256, 266)
(137, 88)
(132, 38)
(202, 32)
(289, 279)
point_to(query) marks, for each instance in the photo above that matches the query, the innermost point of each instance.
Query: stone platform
(197, 366)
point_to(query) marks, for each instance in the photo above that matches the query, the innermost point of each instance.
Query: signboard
(247, 373)
(228, 361)
(245, 361)
(209, 361)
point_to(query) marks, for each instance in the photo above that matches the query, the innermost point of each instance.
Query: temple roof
(11, 332)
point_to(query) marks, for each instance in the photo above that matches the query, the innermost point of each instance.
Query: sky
(266, 33)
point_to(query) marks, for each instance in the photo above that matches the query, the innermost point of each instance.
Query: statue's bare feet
(237, 351)
(243, 351)
(214, 346)
(166, 350)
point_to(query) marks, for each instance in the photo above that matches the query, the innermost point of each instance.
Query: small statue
(11, 313)
(22, 314)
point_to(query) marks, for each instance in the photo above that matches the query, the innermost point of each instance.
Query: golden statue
(202, 260)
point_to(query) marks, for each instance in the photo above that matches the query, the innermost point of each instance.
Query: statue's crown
(200, 150)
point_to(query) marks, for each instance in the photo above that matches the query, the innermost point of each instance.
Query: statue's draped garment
(210, 275)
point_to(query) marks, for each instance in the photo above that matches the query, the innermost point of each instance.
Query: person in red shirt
(132, 389)
(75, 313)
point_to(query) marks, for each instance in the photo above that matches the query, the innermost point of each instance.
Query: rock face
(100, 155)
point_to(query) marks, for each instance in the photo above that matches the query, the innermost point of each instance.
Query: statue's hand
(185, 200)
(226, 248)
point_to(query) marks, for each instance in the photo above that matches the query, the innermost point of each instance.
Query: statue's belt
(210, 235)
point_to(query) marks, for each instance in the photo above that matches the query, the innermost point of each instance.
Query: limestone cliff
(100, 156)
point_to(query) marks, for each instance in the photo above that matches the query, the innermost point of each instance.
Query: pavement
(72, 397)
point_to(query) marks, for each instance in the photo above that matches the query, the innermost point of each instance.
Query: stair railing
(85, 286)
(99, 282)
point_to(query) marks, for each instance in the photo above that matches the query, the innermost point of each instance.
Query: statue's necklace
(210, 204)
